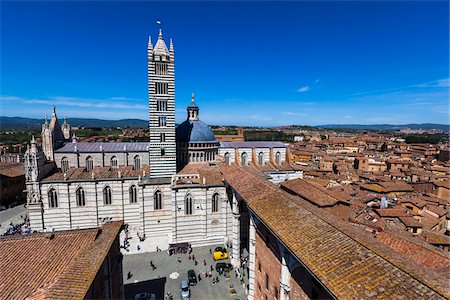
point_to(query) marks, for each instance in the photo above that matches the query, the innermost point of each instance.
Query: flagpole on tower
(160, 26)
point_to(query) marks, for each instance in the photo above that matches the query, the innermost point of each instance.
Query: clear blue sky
(249, 63)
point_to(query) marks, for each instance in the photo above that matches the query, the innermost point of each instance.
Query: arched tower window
(244, 160)
(188, 205)
(137, 162)
(52, 198)
(215, 203)
(65, 164)
(113, 162)
(157, 198)
(89, 164)
(133, 194)
(107, 199)
(81, 201)
(261, 159)
(278, 157)
(227, 159)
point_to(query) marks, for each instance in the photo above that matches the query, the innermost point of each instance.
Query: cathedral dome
(194, 131)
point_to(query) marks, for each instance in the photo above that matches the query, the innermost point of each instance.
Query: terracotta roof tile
(57, 265)
(9, 169)
(351, 263)
(99, 173)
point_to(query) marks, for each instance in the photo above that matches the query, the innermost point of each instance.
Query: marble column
(251, 260)
(236, 237)
(285, 287)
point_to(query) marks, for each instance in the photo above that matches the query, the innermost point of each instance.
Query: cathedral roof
(161, 47)
(104, 147)
(194, 131)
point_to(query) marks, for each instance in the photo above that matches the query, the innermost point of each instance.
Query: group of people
(21, 228)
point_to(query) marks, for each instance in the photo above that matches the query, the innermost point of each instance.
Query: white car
(185, 290)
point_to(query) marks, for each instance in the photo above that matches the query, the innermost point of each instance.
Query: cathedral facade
(168, 190)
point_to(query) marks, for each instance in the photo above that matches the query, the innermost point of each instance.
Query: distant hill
(16, 122)
(425, 126)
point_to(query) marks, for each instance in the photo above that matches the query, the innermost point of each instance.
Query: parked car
(227, 267)
(192, 277)
(222, 249)
(145, 296)
(185, 290)
(220, 253)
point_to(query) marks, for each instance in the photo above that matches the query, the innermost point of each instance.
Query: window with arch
(52, 198)
(137, 162)
(188, 205)
(278, 157)
(107, 196)
(113, 162)
(65, 164)
(89, 164)
(261, 159)
(244, 159)
(157, 198)
(133, 194)
(215, 203)
(81, 201)
(227, 159)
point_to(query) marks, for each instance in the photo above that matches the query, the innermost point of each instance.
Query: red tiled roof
(328, 246)
(211, 174)
(393, 212)
(9, 169)
(99, 173)
(57, 265)
(311, 192)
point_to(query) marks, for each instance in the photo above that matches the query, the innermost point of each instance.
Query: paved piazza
(159, 282)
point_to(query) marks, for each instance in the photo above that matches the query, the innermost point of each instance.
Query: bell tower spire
(161, 91)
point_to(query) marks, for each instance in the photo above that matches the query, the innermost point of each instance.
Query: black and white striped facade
(161, 92)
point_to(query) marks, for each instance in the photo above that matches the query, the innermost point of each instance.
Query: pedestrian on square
(199, 277)
(204, 262)
(179, 259)
(210, 251)
(195, 262)
(129, 275)
(189, 257)
(212, 269)
(193, 257)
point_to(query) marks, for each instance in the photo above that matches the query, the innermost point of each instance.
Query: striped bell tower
(161, 92)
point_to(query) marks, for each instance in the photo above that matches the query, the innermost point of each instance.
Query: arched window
(89, 164)
(107, 199)
(244, 159)
(113, 162)
(188, 205)
(52, 198)
(137, 162)
(215, 203)
(227, 159)
(157, 197)
(261, 159)
(65, 164)
(133, 194)
(278, 157)
(80, 197)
